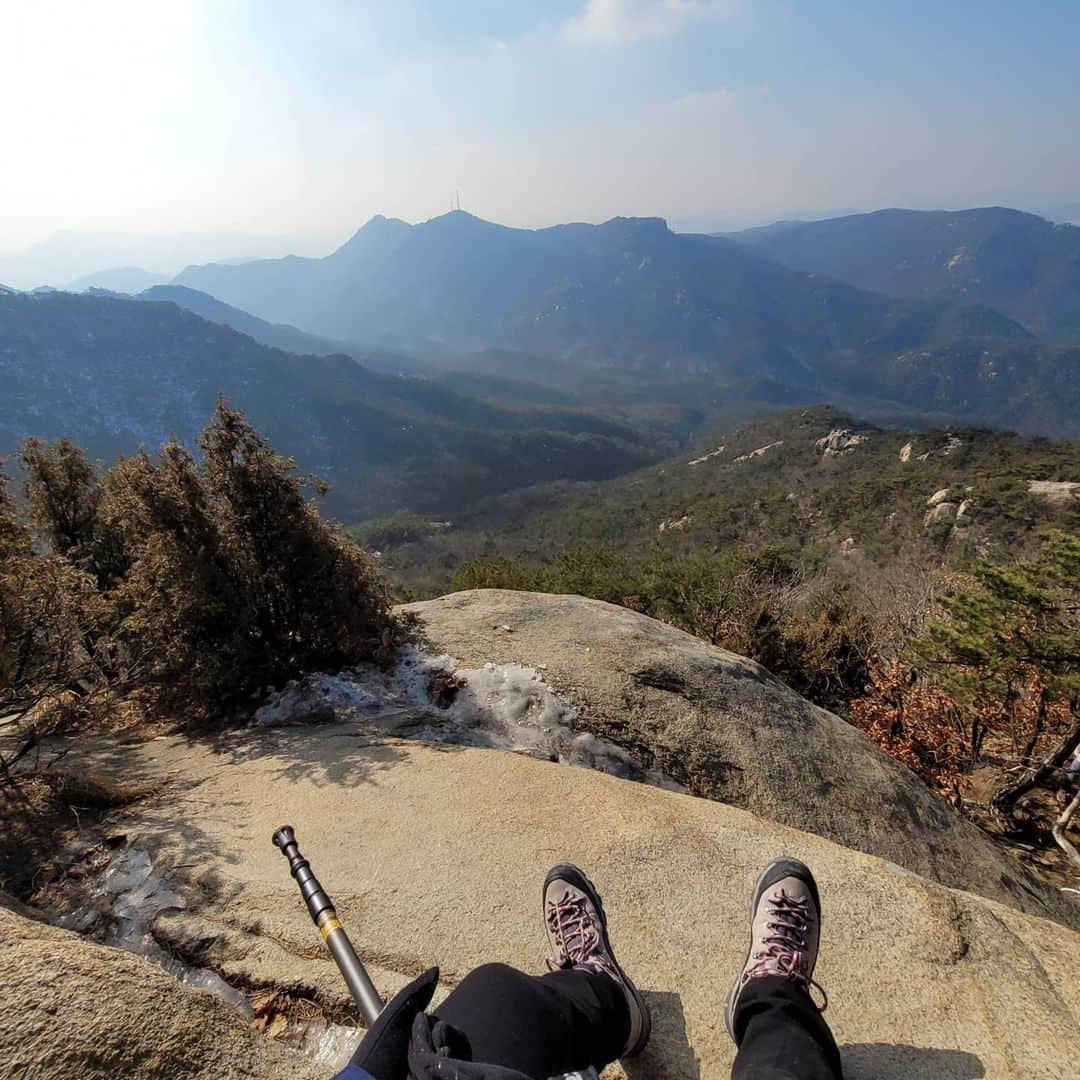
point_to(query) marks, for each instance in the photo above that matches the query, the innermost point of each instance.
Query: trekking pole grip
(321, 909)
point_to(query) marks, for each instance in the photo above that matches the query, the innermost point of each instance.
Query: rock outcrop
(841, 441)
(940, 512)
(436, 855)
(1060, 494)
(727, 730)
(73, 1008)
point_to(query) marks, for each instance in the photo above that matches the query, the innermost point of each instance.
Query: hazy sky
(306, 117)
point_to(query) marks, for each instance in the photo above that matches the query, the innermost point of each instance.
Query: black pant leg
(540, 1025)
(782, 1035)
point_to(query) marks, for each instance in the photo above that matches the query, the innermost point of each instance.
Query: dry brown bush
(917, 723)
(190, 583)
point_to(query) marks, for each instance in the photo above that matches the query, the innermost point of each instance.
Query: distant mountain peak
(375, 230)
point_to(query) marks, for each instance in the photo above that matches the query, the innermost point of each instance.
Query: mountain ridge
(1021, 263)
(631, 300)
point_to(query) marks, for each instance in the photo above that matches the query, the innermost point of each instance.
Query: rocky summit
(725, 729)
(435, 854)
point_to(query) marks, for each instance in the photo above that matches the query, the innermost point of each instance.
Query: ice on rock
(119, 906)
(501, 706)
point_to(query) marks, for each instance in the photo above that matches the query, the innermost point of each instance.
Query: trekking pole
(321, 909)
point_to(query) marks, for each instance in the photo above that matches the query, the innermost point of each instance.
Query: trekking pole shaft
(321, 909)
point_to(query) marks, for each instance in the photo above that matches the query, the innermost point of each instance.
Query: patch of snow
(331, 1045)
(118, 905)
(118, 908)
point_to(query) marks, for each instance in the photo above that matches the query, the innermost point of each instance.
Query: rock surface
(723, 727)
(436, 855)
(841, 441)
(73, 1008)
(939, 512)
(1058, 493)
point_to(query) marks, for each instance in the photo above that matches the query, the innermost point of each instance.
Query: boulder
(677, 524)
(73, 1008)
(725, 729)
(942, 511)
(938, 497)
(436, 855)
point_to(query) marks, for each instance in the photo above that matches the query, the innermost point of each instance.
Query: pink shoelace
(785, 944)
(575, 933)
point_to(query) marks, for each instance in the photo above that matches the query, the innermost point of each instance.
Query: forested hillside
(114, 374)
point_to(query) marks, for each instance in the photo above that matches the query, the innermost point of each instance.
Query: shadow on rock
(890, 1061)
(330, 755)
(669, 1052)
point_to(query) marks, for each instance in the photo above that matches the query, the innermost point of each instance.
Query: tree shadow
(668, 1053)
(893, 1061)
(347, 754)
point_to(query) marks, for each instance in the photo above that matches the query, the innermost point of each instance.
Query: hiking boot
(785, 926)
(577, 933)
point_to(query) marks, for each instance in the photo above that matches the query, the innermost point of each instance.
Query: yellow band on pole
(327, 927)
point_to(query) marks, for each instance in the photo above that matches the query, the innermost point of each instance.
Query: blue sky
(301, 120)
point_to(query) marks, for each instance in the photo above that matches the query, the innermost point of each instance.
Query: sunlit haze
(288, 125)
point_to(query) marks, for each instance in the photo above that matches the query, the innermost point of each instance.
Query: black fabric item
(537, 1025)
(384, 1050)
(434, 1054)
(781, 1034)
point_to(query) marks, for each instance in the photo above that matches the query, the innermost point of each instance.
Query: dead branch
(1061, 826)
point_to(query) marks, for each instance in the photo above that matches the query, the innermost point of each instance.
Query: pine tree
(1014, 635)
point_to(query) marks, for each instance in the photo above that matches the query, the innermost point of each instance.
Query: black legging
(543, 1025)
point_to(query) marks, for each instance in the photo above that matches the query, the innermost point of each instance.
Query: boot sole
(570, 873)
(791, 868)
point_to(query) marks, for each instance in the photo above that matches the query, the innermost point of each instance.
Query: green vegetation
(792, 496)
(910, 581)
(390, 530)
(1008, 649)
(115, 374)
